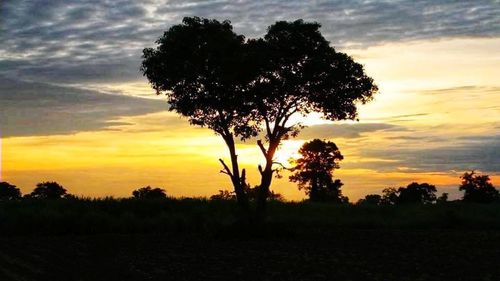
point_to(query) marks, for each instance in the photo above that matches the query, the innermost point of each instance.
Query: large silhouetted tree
(300, 73)
(9, 191)
(48, 190)
(478, 188)
(235, 87)
(313, 171)
(199, 65)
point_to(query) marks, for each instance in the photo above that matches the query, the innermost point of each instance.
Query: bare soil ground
(351, 254)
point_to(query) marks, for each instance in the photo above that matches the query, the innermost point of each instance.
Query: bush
(149, 192)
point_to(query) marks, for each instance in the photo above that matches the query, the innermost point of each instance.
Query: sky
(74, 107)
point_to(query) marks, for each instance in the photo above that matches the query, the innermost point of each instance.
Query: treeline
(477, 188)
(53, 190)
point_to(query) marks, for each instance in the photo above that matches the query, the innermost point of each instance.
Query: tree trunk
(266, 179)
(237, 180)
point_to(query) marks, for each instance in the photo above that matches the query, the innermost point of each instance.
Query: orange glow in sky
(434, 94)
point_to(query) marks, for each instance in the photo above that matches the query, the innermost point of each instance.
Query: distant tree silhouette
(414, 193)
(149, 192)
(370, 199)
(216, 79)
(48, 190)
(390, 196)
(313, 171)
(478, 188)
(443, 198)
(9, 192)
(423, 193)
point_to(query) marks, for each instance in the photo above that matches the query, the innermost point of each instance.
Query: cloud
(349, 131)
(459, 154)
(74, 41)
(30, 108)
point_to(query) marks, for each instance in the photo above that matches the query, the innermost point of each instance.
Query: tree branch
(262, 148)
(226, 170)
(283, 166)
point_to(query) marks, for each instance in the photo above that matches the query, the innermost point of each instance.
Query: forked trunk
(266, 179)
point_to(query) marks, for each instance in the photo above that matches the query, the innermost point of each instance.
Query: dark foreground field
(200, 240)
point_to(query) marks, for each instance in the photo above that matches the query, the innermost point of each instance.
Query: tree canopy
(9, 191)
(48, 190)
(417, 193)
(149, 192)
(414, 193)
(478, 188)
(313, 171)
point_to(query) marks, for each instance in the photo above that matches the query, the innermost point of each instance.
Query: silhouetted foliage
(314, 171)
(299, 73)
(216, 79)
(478, 188)
(224, 195)
(199, 65)
(370, 199)
(9, 192)
(414, 193)
(149, 192)
(252, 194)
(48, 190)
(390, 196)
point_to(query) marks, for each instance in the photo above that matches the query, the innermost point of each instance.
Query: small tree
(417, 193)
(149, 192)
(48, 190)
(9, 192)
(314, 171)
(443, 198)
(478, 188)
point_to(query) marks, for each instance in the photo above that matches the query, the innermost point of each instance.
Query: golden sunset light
(423, 86)
(249, 140)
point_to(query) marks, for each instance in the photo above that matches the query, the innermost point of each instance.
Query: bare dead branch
(226, 170)
(282, 166)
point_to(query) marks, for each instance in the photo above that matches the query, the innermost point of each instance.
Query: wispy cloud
(102, 40)
(456, 155)
(29, 109)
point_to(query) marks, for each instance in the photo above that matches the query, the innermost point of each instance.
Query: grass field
(202, 240)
